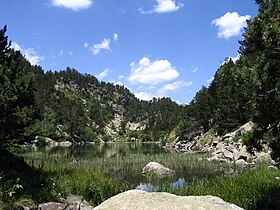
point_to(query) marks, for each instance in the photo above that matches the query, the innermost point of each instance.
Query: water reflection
(105, 150)
(148, 187)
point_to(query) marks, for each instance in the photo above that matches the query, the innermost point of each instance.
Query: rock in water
(158, 170)
(140, 200)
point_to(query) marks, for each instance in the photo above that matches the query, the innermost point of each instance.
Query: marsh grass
(129, 168)
(97, 179)
(254, 189)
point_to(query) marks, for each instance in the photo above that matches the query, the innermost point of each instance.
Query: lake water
(107, 149)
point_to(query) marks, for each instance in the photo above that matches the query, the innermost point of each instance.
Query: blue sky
(156, 48)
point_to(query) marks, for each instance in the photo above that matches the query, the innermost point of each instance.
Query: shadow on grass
(14, 171)
(270, 199)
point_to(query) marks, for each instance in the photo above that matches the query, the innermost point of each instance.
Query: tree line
(75, 106)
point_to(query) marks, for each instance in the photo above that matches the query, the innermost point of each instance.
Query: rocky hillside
(78, 107)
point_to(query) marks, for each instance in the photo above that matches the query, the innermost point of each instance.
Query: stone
(136, 200)
(84, 206)
(240, 163)
(262, 157)
(73, 199)
(160, 171)
(241, 130)
(228, 154)
(272, 168)
(243, 154)
(52, 206)
(220, 147)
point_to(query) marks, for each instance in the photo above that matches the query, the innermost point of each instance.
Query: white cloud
(175, 85)
(119, 83)
(210, 80)
(152, 72)
(195, 70)
(70, 53)
(60, 53)
(104, 45)
(163, 6)
(230, 24)
(103, 74)
(144, 96)
(86, 45)
(115, 37)
(120, 77)
(75, 5)
(30, 54)
(234, 59)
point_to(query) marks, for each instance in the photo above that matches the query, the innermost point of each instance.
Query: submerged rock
(158, 170)
(135, 199)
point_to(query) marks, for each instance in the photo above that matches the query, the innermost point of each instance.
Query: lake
(124, 162)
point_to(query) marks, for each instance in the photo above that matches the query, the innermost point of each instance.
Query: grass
(128, 168)
(255, 189)
(97, 179)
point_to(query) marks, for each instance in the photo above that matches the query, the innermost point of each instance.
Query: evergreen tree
(17, 95)
(261, 48)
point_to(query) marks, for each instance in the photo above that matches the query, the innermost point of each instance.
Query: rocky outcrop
(154, 169)
(248, 127)
(135, 199)
(72, 202)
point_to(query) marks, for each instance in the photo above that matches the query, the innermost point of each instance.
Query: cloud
(152, 72)
(210, 80)
(86, 45)
(121, 77)
(144, 96)
(119, 83)
(70, 53)
(30, 54)
(195, 70)
(75, 5)
(230, 24)
(175, 85)
(103, 74)
(104, 45)
(163, 6)
(115, 37)
(234, 59)
(60, 53)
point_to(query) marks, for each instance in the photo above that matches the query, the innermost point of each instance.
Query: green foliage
(255, 189)
(8, 188)
(17, 95)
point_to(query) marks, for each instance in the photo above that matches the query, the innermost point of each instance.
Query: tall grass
(255, 189)
(97, 179)
(128, 168)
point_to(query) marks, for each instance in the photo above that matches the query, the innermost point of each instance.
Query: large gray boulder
(157, 170)
(248, 127)
(140, 200)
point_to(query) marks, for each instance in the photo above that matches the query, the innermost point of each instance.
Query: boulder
(135, 199)
(243, 154)
(228, 154)
(158, 170)
(52, 206)
(262, 157)
(272, 168)
(240, 163)
(242, 130)
(73, 199)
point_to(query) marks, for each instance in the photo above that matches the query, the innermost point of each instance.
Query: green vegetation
(255, 189)
(67, 105)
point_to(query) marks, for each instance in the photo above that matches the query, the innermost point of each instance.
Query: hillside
(78, 107)
(67, 105)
